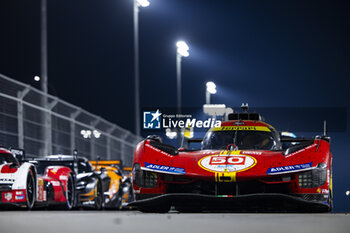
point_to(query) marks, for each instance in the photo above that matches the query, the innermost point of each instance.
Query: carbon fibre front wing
(264, 202)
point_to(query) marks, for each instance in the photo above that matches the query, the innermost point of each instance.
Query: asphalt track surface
(136, 222)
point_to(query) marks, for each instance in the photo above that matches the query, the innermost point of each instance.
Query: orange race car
(120, 191)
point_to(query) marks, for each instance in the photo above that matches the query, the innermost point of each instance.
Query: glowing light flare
(143, 3)
(182, 48)
(211, 87)
(170, 134)
(89, 133)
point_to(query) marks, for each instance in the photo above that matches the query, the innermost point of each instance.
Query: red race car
(22, 186)
(241, 166)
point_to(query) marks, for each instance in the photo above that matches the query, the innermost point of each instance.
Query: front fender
(21, 176)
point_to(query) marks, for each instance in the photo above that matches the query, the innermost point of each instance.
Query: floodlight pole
(178, 79)
(136, 71)
(44, 46)
(44, 87)
(178, 74)
(207, 97)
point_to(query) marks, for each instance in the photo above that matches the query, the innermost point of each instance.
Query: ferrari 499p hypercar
(241, 166)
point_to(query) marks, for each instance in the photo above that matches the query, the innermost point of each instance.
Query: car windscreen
(7, 158)
(42, 165)
(84, 167)
(244, 140)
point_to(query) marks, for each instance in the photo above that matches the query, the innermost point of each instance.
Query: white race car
(17, 179)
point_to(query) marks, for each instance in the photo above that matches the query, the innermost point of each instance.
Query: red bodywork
(57, 176)
(250, 165)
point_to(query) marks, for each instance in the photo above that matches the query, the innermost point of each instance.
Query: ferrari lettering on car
(232, 128)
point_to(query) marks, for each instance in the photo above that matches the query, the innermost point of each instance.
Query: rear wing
(105, 162)
(18, 153)
(127, 169)
(290, 139)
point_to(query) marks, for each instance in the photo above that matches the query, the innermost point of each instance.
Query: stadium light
(36, 78)
(211, 89)
(182, 48)
(170, 134)
(143, 3)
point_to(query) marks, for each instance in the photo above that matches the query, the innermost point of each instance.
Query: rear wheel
(30, 190)
(99, 196)
(70, 193)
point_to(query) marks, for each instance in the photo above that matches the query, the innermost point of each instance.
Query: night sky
(266, 53)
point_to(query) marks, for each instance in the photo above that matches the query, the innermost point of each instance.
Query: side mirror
(155, 138)
(232, 147)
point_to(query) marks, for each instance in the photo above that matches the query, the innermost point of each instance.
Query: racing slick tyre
(99, 196)
(70, 193)
(30, 190)
(330, 195)
(154, 209)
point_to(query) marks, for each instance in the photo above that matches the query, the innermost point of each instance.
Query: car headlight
(90, 185)
(81, 184)
(314, 178)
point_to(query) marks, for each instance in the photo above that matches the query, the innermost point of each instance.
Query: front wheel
(330, 195)
(30, 190)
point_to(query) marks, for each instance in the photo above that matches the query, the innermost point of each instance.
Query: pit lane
(136, 222)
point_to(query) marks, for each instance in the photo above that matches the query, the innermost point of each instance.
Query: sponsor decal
(40, 182)
(3, 180)
(302, 150)
(167, 169)
(8, 196)
(233, 162)
(19, 192)
(323, 191)
(55, 183)
(289, 168)
(63, 177)
(40, 189)
(247, 128)
(88, 202)
(225, 176)
(20, 197)
(251, 152)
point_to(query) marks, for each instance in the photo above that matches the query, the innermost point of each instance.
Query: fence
(43, 124)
